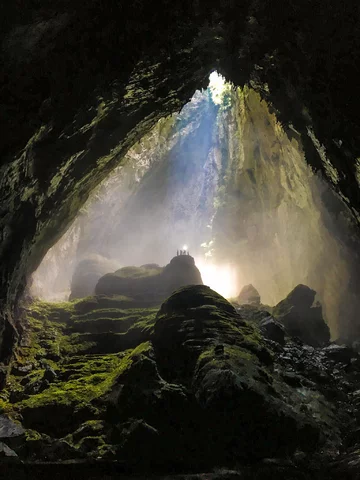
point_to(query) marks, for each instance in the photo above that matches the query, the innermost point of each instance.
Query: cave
(129, 131)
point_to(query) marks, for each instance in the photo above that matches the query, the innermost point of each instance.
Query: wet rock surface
(190, 386)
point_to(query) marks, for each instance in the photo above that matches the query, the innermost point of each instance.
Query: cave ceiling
(80, 83)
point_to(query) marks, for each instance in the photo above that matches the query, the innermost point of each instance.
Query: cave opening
(260, 182)
(223, 177)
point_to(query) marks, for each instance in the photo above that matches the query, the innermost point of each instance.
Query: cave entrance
(224, 178)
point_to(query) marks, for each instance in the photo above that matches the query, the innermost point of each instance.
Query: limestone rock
(302, 317)
(340, 353)
(233, 386)
(87, 273)
(249, 295)
(6, 454)
(9, 429)
(193, 385)
(151, 282)
(273, 330)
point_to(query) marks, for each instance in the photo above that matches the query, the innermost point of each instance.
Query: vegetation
(53, 367)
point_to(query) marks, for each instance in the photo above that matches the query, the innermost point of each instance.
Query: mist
(223, 178)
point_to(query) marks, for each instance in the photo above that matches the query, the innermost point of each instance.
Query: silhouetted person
(177, 253)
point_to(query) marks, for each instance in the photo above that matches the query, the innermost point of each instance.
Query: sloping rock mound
(302, 317)
(249, 295)
(151, 282)
(201, 342)
(87, 273)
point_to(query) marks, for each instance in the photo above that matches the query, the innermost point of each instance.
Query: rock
(253, 313)
(7, 455)
(272, 330)
(219, 350)
(302, 318)
(141, 437)
(200, 341)
(151, 283)
(9, 429)
(42, 447)
(191, 384)
(340, 353)
(21, 370)
(37, 386)
(291, 379)
(249, 295)
(87, 273)
(49, 374)
(3, 376)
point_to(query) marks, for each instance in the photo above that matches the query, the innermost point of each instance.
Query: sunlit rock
(151, 283)
(249, 295)
(302, 317)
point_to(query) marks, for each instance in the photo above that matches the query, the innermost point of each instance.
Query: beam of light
(219, 277)
(217, 85)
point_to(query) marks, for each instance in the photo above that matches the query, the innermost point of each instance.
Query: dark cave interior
(82, 86)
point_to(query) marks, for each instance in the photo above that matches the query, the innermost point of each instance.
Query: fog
(223, 178)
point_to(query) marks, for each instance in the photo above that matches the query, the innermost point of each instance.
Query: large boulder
(302, 316)
(87, 273)
(202, 343)
(151, 282)
(249, 295)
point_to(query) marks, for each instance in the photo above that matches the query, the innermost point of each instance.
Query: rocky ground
(104, 385)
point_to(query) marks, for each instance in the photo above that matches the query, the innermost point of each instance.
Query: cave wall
(81, 83)
(277, 220)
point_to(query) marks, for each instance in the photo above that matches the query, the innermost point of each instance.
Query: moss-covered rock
(192, 385)
(202, 342)
(151, 283)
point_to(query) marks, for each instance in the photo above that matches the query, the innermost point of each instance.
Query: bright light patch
(217, 86)
(221, 278)
(185, 247)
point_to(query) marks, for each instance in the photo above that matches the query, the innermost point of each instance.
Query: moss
(137, 272)
(51, 336)
(88, 386)
(141, 349)
(232, 355)
(32, 435)
(89, 379)
(5, 407)
(145, 325)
